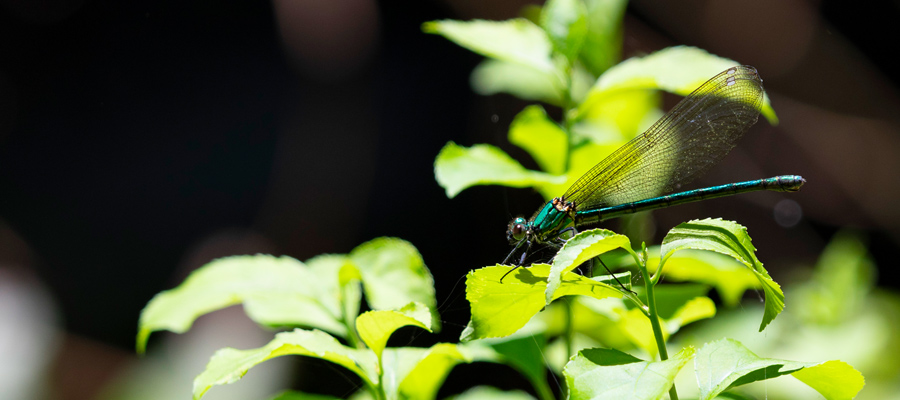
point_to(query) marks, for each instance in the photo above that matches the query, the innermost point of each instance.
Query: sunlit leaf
(636, 326)
(376, 327)
(535, 132)
(623, 116)
(565, 22)
(694, 310)
(579, 249)
(832, 379)
(275, 291)
(614, 323)
(229, 365)
(457, 168)
(495, 76)
(515, 40)
(500, 309)
(726, 363)
(731, 239)
(393, 275)
(598, 374)
(679, 70)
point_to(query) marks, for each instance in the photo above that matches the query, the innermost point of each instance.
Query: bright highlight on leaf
(599, 374)
(394, 274)
(495, 76)
(579, 249)
(541, 137)
(274, 290)
(515, 40)
(678, 70)
(726, 363)
(731, 239)
(457, 168)
(281, 291)
(376, 327)
(500, 309)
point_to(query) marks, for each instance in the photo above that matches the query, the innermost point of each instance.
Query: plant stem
(380, 390)
(654, 320)
(570, 328)
(542, 389)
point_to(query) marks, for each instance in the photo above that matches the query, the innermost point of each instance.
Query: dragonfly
(643, 174)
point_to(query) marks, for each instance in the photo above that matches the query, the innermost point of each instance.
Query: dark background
(139, 140)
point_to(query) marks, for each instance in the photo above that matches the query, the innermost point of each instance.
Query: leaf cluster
(565, 55)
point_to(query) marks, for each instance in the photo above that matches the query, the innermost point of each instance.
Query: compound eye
(517, 228)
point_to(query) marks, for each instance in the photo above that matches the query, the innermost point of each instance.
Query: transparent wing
(682, 145)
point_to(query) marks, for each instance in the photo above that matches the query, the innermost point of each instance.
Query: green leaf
(614, 324)
(726, 363)
(229, 365)
(495, 76)
(731, 239)
(417, 374)
(491, 393)
(832, 379)
(500, 309)
(603, 43)
(275, 291)
(376, 327)
(523, 351)
(670, 298)
(623, 116)
(730, 278)
(393, 275)
(694, 310)
(579, 249)
(457, 168)
(565, 22)
(515, 40)
(535, 132)
(611, 374)
(601, 321)
(679, 70)
(841, 284)
(292, 395)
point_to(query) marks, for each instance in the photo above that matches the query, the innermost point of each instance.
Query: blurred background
(140, 140)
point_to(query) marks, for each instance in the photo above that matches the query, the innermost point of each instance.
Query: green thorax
(551, 219)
